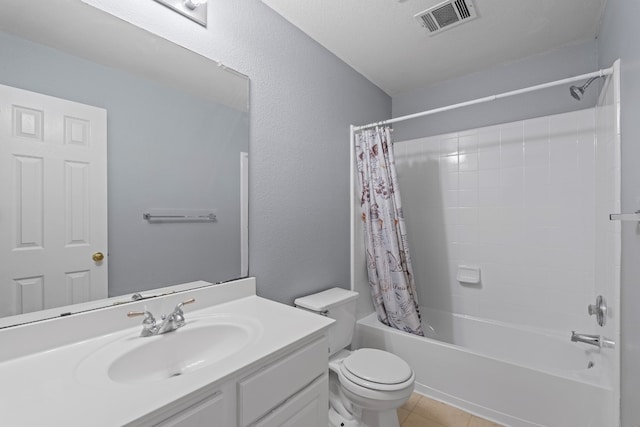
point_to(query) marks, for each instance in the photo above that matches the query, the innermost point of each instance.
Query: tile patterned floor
(421, 411)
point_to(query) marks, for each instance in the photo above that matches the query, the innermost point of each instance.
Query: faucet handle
(148, 323)
(178, 314)
(148, 317)
(139, 313)
(178, 308)
(599, 309)
(189, 301)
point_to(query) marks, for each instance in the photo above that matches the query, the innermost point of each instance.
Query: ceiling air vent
(446, 15)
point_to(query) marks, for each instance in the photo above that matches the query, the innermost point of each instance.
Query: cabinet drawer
(209, 412)
(262, 391)
(307, 408)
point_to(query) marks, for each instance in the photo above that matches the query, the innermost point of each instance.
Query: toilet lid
(377, 366)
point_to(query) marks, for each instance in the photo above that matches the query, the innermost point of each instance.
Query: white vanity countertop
(49, 387)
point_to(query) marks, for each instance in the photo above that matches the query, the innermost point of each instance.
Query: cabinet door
(261, 391)
(210, 412)
(308, 408)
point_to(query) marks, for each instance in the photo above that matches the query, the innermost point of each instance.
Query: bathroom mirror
(176, 131)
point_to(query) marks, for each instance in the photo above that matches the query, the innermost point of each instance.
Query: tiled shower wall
(517, 200)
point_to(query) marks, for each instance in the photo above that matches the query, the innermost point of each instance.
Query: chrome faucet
(586, 338)
(597, 340)
(169, 323)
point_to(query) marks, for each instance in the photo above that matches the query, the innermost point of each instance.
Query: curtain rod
(599, 73)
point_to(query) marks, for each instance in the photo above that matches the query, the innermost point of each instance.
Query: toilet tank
(338, 304)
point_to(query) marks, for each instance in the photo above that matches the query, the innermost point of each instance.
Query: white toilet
(366, 386)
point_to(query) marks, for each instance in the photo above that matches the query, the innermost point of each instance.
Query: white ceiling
(381, 40)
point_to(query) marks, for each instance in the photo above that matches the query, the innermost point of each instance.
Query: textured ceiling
(381, 40)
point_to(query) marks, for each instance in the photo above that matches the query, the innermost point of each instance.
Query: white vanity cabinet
(240, 361)
(288, 389)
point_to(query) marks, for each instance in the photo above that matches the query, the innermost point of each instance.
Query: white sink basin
(200, 343)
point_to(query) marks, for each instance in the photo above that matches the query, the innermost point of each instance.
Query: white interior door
(53, 202)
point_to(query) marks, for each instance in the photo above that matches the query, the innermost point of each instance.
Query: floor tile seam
(431, 420)
(428, 415)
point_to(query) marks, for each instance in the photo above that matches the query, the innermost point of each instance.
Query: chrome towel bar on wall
(175, 215)
(149, 217)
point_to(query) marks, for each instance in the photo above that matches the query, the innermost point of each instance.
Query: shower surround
(528, 203)
(518, 201)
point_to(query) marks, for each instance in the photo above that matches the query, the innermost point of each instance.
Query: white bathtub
(515, 376)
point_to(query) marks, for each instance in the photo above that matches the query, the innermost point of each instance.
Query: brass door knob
(98, 256)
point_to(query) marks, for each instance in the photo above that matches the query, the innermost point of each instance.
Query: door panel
(53, 201)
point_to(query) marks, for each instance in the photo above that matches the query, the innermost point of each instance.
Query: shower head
(578, 91)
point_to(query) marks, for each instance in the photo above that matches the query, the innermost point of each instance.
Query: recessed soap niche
(468, 274)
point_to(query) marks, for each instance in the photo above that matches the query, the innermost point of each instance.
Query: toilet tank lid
(326, 299)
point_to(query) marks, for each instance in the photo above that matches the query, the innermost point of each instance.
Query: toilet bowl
(373, 384)
(366, 385)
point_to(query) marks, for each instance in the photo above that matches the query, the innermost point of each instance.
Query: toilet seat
(372, 395)
(377, 370)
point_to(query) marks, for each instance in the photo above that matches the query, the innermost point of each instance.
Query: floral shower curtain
(387, 252)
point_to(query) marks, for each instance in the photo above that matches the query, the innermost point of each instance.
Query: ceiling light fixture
(196, 10)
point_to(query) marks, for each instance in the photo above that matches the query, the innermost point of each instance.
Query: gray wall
(303, 99)
(564, 62)
(166, 149)
(619, 35)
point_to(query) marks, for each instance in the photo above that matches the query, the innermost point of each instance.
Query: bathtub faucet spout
(586, 338)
